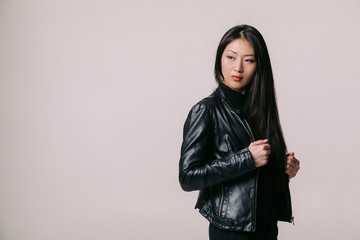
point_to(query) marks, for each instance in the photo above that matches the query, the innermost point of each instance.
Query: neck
(236, 99)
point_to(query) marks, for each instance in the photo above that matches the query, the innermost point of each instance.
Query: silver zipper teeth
(222, 199)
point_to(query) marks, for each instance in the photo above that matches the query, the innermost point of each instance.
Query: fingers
(292, 161)
(264, 144)
(290, 173)
(292, 165)
(260, 151)
(259, 142)
(263, 147)
(266, 148)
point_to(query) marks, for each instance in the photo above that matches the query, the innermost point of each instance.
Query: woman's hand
(260, 151)
(292, 165)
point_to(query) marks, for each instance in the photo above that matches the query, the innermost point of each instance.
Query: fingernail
(266, 140)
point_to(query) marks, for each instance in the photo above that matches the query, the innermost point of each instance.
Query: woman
(233, 149)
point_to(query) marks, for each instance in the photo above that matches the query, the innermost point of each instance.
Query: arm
(196, 170)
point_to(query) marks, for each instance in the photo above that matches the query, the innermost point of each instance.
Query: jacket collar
(225, 100)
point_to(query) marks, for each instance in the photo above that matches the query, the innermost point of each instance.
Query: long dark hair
(261, 108)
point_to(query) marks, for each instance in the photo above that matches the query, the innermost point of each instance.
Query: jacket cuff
(247, 159)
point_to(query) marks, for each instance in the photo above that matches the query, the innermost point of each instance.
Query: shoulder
(203, 111)
(208, 103)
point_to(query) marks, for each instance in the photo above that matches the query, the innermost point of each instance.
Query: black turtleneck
(236, 99)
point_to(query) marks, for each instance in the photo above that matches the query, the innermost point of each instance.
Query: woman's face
(238, 65)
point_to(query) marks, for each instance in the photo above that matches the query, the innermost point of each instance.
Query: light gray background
(94, 94)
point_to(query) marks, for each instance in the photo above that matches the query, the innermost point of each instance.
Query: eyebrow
(246, 55)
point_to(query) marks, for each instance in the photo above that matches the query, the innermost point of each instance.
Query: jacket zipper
(257, 174)
(248, 130)
(222, 199)
(256, 187)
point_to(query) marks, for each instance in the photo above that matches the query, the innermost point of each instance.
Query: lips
(236, 78)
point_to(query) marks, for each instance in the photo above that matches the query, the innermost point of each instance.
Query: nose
(238, 67)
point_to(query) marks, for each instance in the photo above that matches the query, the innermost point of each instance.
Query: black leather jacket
(215, 160)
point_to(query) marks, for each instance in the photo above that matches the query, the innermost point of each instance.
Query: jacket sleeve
(196, 168)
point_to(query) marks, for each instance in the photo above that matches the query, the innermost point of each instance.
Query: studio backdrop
(94, 95)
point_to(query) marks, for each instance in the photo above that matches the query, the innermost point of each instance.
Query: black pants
(219, 234)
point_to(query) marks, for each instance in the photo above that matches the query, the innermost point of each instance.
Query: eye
(249, 60)
(230, 57)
